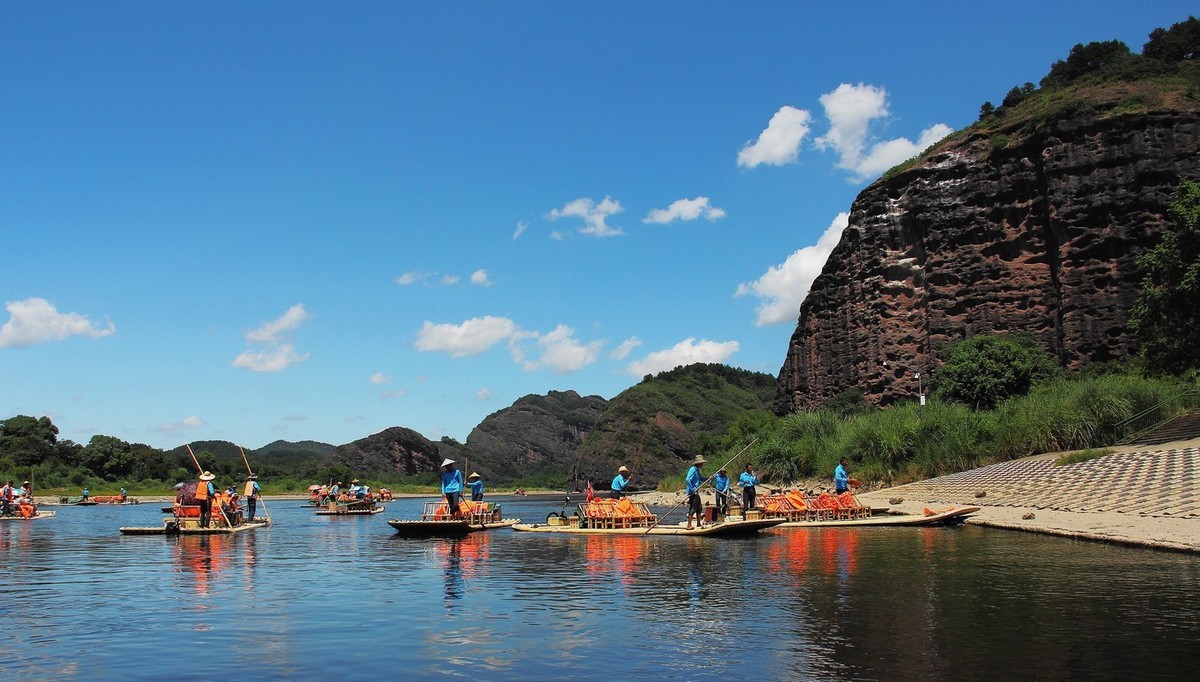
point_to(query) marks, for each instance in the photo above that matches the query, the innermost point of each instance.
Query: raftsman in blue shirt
(747, 480)
(693, 480)
(452, 481)
(476, 486)
(841, 480)
(721, 481)
(620, 483)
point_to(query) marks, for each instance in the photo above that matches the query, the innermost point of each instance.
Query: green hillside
(660, 424)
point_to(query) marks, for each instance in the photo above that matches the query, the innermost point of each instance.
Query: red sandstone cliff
(1032, 224)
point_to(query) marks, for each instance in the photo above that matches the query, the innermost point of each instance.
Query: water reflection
(198, 558)
(831, 604)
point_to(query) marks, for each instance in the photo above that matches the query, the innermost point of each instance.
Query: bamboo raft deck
(728, 528)
(828, 510)
(436, 521)
(944, 517)
(190, 526)
(626, 517)
(349, 509)
(37, 515)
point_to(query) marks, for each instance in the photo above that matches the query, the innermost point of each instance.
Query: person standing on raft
(251, 493)
(692, 481)
(452, 485)
(748, 481)
(620, 483)
(204, 496)
(721, 483)
(476, 484)
(841, 477)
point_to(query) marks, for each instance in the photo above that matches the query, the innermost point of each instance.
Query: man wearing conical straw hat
(620, 483)
(476, 483)
(204, 496)
(452, 485)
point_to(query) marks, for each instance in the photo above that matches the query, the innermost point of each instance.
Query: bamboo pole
(260, 499)
(704, 483)
(201, 470)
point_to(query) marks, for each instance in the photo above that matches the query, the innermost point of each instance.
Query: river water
(346, 599)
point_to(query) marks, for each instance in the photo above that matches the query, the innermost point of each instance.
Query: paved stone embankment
(1138, 496)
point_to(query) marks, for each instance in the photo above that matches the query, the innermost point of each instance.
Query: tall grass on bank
(911, 442)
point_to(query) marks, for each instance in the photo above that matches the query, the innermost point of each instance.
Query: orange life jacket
(202, 490)
(248, 491)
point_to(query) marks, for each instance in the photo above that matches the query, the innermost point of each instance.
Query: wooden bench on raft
(611, 514)
(796, 506)
(472, 512)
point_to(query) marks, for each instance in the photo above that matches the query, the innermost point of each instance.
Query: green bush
(983, 370)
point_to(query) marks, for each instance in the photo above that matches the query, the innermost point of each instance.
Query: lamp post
(920, 383)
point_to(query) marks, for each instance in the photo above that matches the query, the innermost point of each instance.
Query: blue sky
(313, 221)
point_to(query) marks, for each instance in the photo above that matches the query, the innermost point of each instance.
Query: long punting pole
(260, 499)
(201, 470)
(704, 483)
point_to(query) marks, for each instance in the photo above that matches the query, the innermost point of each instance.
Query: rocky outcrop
(535, 432)
(1033, 227)
(395, 450)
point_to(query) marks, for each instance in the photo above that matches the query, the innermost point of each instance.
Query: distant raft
(349, 508)
(626, 517)
(436, 520)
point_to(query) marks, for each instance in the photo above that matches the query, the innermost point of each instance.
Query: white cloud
(622, 351)
(563, 353)
(473, 337)
(274, 359)
(187, 424)
(685, 209)
(484, 394)
(276, 353)
(481, 278)
(380, 378)
(595, 216)
(686, 352)
(35, 320)
(521, 227)
(388, 395)
(273, 332)
(884, 155)
(783, 287)
(450, 280)
(411, 277)
(780, 143)
(850, 110)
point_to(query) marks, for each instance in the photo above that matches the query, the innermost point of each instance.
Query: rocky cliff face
(536, 431)
(396, 450)
(1033, 227)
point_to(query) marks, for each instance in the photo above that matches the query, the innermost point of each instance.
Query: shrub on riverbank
(911, 442)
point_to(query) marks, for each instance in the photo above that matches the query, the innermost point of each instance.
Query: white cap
(447, 462)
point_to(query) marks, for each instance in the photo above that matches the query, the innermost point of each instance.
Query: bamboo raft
(626, 517)
(38, 514)
(436, 521)
(827, 510)
(190, 526)
(364, 508)
(944, 517)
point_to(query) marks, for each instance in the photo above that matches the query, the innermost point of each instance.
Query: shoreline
(1136, 496)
